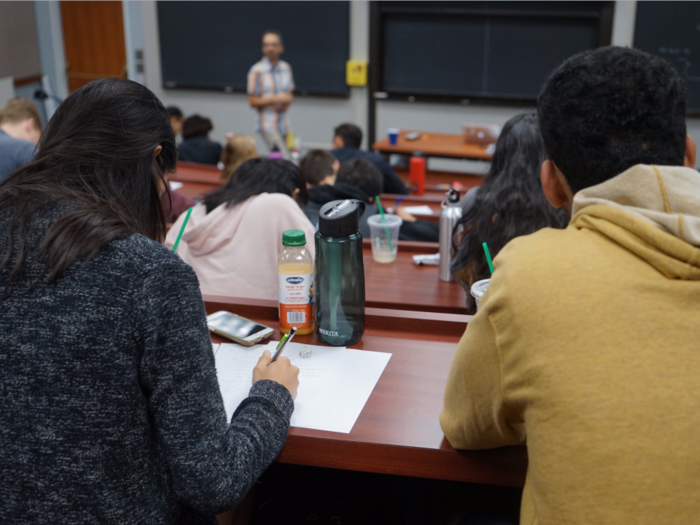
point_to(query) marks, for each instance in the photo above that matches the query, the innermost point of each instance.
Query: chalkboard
(671, 30)
(500, 50)
(212, 45)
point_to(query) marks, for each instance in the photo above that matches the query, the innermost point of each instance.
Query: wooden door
(93, 37)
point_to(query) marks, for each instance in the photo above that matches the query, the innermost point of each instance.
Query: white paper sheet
(418, 210)
(334, 383)
(175, 185)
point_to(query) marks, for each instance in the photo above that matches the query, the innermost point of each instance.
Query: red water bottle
(417, 174)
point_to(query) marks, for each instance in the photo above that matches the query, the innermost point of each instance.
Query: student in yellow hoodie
(587, 343)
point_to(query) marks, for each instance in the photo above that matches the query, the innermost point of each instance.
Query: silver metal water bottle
(450, 214)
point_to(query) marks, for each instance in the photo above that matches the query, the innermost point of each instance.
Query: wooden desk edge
(504, 467)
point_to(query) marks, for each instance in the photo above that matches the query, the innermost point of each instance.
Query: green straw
(488, 256)
(386, 230)
(182, 230)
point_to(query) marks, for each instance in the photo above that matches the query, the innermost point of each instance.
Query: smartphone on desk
(237, 328)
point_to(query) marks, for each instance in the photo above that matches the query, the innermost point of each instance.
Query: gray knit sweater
(110, 410)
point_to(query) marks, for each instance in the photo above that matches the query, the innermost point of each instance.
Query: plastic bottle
(450, 214)
(295, 272)
(340, 274)
(417, 174)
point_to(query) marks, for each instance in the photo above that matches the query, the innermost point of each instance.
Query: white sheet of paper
(334, 383)
(175, 185)
(419, 210)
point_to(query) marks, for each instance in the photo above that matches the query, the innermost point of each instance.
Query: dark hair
(196, 125)
(362, 174)
(256, 176)
(351, 135)
(95, 160)
(174, 111)
(273, 32)
(606, 110)
(510, 203)
(316, 165)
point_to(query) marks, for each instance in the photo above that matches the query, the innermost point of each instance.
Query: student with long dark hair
(111, 410)
(510, 203)
(234, 236)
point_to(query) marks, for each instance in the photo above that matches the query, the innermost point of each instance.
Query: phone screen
(235, 325)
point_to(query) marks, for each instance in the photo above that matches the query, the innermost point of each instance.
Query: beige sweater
(588, 344)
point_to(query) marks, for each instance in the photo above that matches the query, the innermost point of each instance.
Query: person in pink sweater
(234, 236)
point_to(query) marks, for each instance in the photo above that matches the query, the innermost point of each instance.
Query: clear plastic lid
(479, 288)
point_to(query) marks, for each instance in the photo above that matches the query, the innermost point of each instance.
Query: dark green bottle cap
(293, 238)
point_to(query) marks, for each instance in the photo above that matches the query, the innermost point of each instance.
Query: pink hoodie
(233, 250)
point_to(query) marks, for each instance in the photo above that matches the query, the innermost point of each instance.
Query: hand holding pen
(279, 369)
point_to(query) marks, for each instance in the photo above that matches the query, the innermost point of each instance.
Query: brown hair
(19, 109)
(237, 150)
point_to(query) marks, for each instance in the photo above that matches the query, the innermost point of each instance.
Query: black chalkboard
(671, 30)
(212, 45)
(499, 50)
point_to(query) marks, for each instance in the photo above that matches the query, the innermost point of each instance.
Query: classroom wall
(19, 55)
(312, 119)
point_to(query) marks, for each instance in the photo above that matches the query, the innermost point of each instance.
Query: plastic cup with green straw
(386, 230)
(488, 256)
(182, 229)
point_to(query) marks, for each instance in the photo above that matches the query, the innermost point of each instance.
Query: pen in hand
(278, 351)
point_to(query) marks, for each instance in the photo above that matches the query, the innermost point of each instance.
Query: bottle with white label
(295, 271)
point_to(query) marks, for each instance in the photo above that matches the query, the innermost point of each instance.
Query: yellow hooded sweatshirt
(588, 344)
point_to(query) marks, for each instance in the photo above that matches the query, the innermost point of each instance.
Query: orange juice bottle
(295, 271)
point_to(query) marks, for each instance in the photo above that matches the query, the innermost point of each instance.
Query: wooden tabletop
(398, 431)
(434, 145)
(404, 286)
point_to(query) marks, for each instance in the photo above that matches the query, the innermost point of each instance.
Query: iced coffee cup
(384, 232)
(478, 290)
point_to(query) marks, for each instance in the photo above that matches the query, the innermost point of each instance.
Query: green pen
(285, 339)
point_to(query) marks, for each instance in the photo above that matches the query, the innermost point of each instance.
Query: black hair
(509, 204)
(351, 135)
(256, 176)
(196, 125)
(174, 111)
(361, 174)
(316, 165)
(606, 110)
(273, 32)
(95, 160)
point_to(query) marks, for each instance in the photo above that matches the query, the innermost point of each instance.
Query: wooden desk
(402, 285)
(197, 179)
(398, 431)
(434, 145)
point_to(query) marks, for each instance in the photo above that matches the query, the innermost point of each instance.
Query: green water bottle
(340, 274)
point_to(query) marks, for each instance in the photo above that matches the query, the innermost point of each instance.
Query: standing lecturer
(270, 86)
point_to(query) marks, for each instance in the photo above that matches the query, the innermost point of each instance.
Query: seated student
(234, 236)
(510, 203)
(586, 342)
(237, 150)
(360, 180)
(347, 139)
(196, 146)
(20, 129)
(176, 119)
(111, 409)
(319, 167)
(320, 170)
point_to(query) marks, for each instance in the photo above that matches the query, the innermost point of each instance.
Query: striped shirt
(265, 80)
